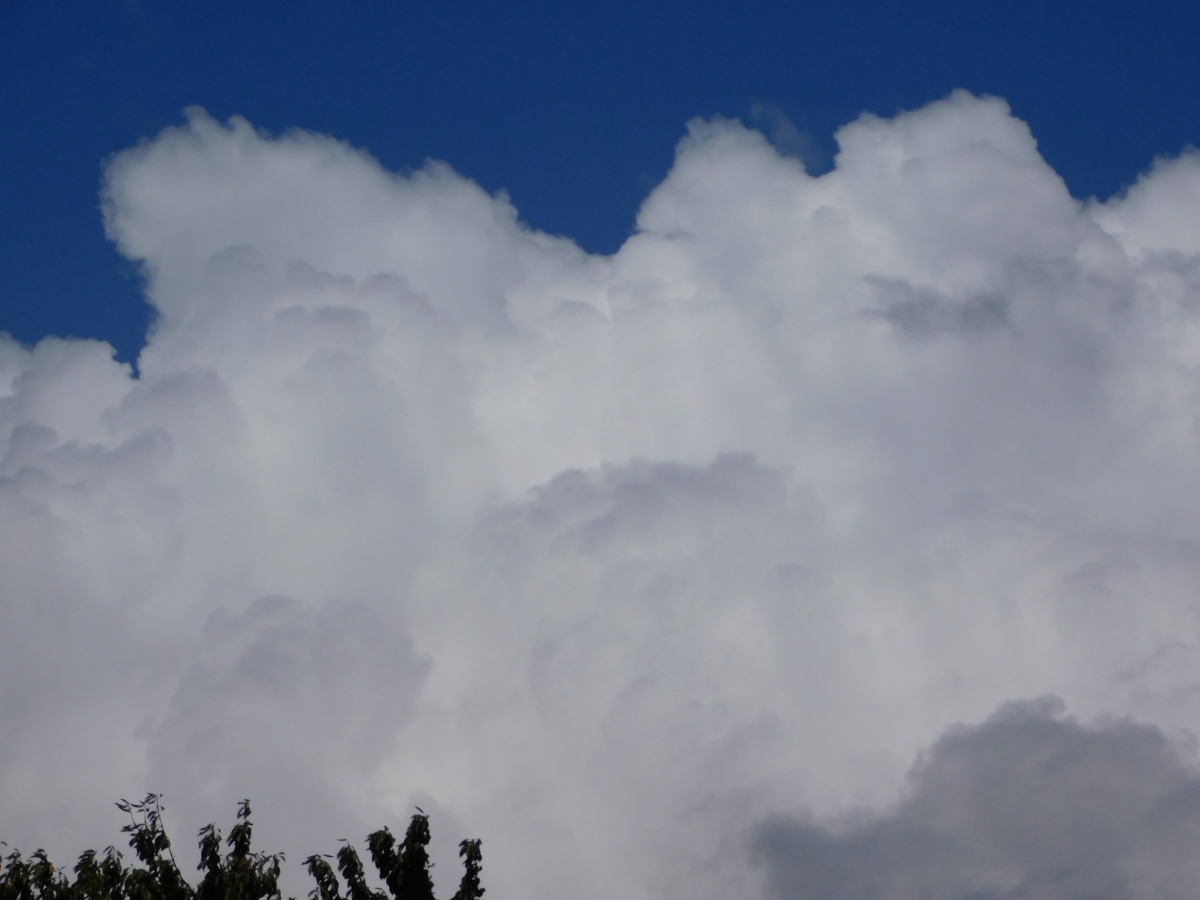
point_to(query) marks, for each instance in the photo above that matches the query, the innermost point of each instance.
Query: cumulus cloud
(602, 559)
(1028, 804)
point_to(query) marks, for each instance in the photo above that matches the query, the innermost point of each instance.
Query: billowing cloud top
(647, 569)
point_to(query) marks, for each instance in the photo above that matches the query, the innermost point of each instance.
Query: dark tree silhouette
(239, 874)
(468, 888)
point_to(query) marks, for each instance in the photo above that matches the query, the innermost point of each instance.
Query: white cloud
(603, 559)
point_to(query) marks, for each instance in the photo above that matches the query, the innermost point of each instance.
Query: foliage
(240, 874)
(404, 870)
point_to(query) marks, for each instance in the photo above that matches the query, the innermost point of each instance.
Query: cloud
(786, 137)
(339, 682)
(596, 558)
(1028, 804)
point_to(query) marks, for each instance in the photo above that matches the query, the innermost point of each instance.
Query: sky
(574, 110)
(710, 451)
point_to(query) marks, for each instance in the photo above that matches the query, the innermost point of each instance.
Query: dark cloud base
(1029, 804)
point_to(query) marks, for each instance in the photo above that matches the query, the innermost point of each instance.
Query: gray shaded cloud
(341, 680)
(787, 138)
(1028, 804)
(279, 698)
(925, 313)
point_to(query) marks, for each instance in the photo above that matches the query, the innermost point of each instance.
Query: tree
(404, 869)
(239, 874)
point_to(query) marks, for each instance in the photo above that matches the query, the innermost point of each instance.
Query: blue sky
(574, 109)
